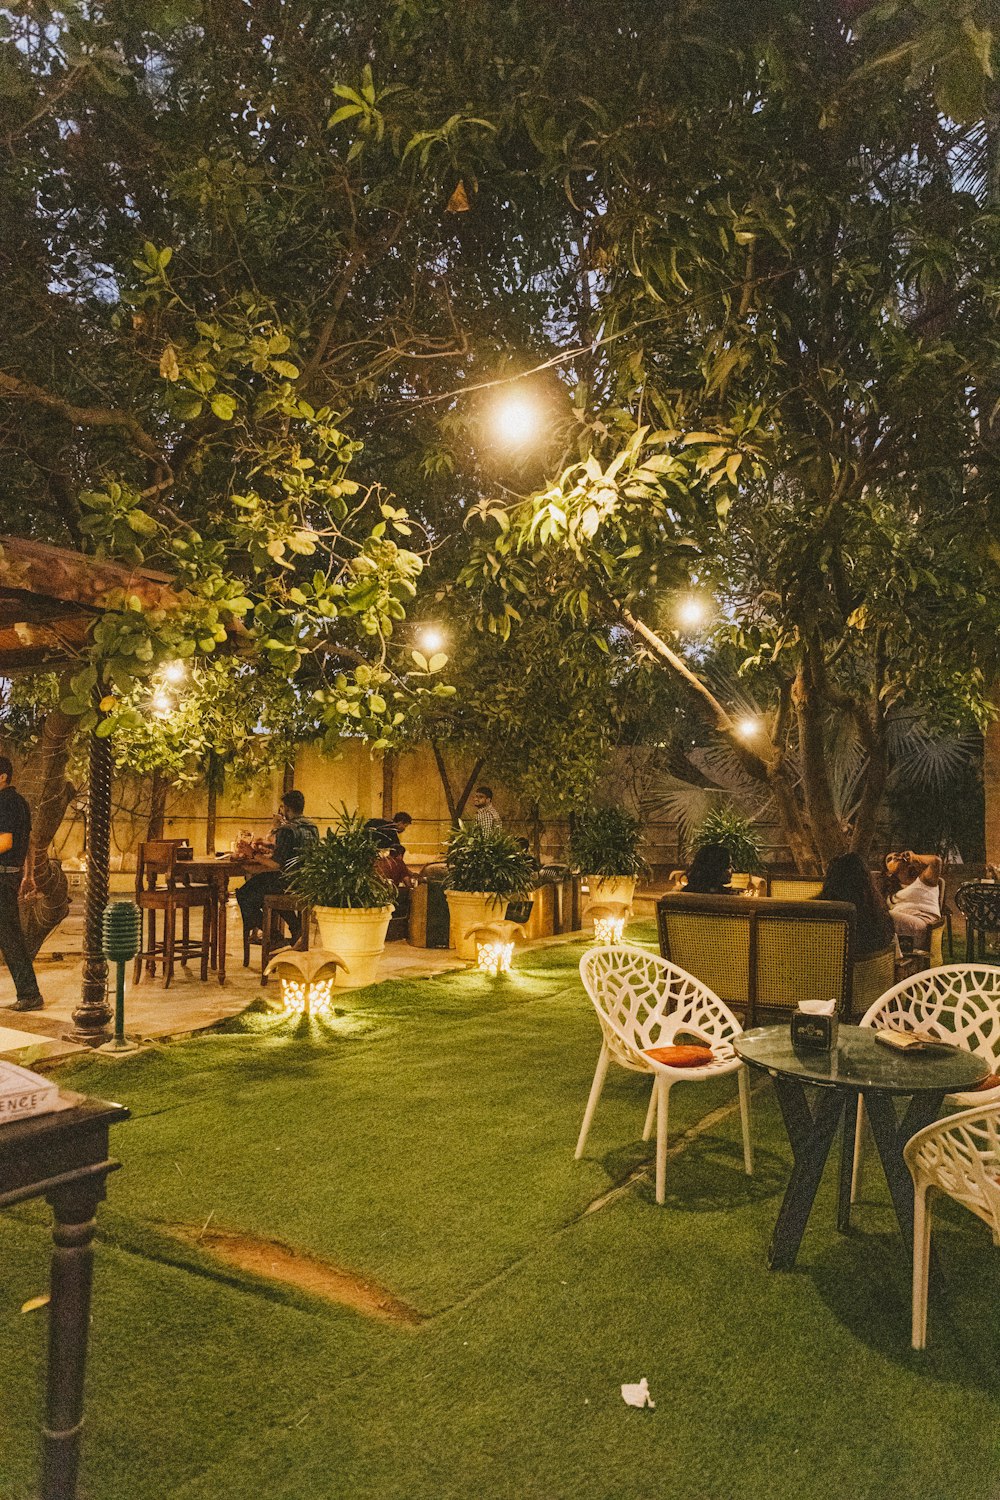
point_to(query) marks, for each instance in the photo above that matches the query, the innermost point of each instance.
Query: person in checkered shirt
(486, 814)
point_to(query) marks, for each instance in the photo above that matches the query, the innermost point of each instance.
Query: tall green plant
(485, 859)
(607, 841)
(339, 870)
(737, 834)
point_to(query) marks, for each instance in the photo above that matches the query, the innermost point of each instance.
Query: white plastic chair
(959, 1156)
(960, 1003)
(643, 1001)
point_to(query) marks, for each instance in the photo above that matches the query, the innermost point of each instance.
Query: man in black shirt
(294, 835)
(15, 830)
(387, 833)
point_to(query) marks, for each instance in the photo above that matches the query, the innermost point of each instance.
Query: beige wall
(352, 779)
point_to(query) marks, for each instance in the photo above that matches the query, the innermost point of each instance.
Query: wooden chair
(873, 976)
(158, 860)
(276, 908)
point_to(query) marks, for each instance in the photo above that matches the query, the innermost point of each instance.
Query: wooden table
(63, 1157)
(218, 873)
(859, 1065)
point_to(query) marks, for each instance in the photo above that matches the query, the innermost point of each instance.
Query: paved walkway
(151, 1012)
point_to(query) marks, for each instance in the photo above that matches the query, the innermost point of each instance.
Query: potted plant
(352, 903)
(605, 848)
(486, 869)
(727, 826)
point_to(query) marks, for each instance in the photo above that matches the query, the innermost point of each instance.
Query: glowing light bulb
(516, 419)
(162, 703)
(431, 638)
(747, 728)
(174, 671)
(692, 613)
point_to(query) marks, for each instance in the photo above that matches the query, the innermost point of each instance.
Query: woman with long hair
(848, 879)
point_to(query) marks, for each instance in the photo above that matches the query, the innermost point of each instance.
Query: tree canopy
(268, 267)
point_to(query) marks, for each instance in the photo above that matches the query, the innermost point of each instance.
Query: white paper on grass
(638, 1395)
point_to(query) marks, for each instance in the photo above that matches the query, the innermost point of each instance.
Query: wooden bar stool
(157, 859)
(276, 908)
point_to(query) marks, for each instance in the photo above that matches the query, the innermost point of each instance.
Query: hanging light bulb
(516, 419)
(430, 638)
(692, 613)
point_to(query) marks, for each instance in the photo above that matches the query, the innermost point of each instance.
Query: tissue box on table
(815, 1025)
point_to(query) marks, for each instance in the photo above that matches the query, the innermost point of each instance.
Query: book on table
(909, 1041)
(23, 1094)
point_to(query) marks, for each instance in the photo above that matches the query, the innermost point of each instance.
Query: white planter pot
(604, 888)
(357, 935)
(468, 909)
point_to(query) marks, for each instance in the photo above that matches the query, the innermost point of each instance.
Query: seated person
(392, 866)
(294, 833)
(525, 848)
(847, 879)
(387, 833)
(711, 871)
(915, 904)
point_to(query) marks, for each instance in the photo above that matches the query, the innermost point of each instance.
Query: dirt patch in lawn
(307, 1273)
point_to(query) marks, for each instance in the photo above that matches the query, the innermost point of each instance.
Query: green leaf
(345, 112)
(224, 407)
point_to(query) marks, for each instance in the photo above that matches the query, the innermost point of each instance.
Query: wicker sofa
(762, 956)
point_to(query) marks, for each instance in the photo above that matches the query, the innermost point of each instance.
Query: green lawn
(426, 1141)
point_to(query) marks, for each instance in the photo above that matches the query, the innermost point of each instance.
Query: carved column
(92, 1017)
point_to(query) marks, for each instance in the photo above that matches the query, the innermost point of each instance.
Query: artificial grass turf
(429, 1144)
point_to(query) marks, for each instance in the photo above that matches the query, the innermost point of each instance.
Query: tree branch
(85, 416)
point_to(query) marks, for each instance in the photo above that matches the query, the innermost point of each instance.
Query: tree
(805, 318)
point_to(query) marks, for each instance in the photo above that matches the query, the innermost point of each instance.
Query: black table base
(811, 1130)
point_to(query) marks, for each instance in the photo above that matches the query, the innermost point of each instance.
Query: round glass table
(859, 1066)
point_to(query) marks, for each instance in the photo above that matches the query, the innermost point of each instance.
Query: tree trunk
(157, 805)
(390, 761)
(44, 898)
(793, 826)
(214, 775)
(537, 829)
(288, 776)
(828, 834)
(765, 765)
(456, 805)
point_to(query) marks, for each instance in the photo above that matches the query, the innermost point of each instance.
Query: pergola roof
(50, 597)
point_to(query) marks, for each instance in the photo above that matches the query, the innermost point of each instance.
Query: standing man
(15, 830)
(295, 834)
(486, 814)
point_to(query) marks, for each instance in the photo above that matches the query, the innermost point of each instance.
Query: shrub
(339, 870)
(607, 841)
(487, 859)
(727, 826)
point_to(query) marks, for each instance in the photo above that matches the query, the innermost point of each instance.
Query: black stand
(811, 1131)
(63, 1158)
